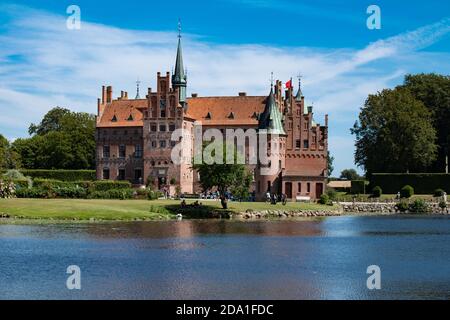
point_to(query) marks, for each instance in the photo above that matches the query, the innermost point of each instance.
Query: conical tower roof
(271, 118)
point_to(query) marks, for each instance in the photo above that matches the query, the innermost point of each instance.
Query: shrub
(331, 193)
(423, 183)
(173, 181)
(63, 175)
(443, 205)
(105, 185)
(419, 206)
(112, 194)
(154, 195)
(73, 192)
(35, 193)
(324, 199)
(18, 178)
(7, 189)
(438, 193)
(402, 206)
(407, 192)
(377, 192)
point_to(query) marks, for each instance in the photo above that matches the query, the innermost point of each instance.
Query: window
(163, 113)
(153, 127)
(122, 151)
(121, 175)
(173, 143)
(105, 173)
(138, 175)
(153, 144)
(299, 187)
(162, 127)
(114, 118)
(305, 144)
(162, 143)
(297, 144)
(308, 187)
(268, 186)
(138, 151)
(171, 127)
(105, 151)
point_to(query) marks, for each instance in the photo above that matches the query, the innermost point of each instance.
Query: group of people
(273, 198)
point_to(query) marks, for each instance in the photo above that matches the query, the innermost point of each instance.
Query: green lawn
(61, 209)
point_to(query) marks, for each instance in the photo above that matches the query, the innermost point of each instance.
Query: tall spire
(179, 78)
(137, 88)
(299, 95)
(271, 118)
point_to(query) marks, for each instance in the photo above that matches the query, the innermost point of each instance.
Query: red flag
(289, 84)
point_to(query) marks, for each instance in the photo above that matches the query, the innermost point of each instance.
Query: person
(284, 199)
(183, 203)
(268, 198)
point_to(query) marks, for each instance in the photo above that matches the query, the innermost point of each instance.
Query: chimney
(121, 95)
(125, 95)
(108, 94)
(98, 106)
(326, 120)
(242, 94)
(103, 94)
(194, 95)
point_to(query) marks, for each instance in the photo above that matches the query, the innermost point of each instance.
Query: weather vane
(271, 79)
(179, 28)
(137, 88)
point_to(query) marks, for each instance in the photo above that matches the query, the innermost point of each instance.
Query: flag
(289, 84)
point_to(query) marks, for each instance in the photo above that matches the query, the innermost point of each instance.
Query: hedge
(59, 174)
(423, 183)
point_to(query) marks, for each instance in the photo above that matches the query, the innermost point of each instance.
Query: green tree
(394, 133)
(9, 159)
(62, 140)
(224, 177)
(434, 91)
(330, 167)
(350, 174)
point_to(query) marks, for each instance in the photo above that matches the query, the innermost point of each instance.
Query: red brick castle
(134, 135)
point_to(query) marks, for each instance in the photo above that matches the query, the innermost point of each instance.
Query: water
(218, 259)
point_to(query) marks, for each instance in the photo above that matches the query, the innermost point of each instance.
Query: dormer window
(231, 115)
(208, 116)
(130, 118)
(255, 115)
(114, 118)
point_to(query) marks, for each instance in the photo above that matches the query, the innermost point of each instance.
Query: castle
(134, 135)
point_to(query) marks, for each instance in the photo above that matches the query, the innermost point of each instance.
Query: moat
(323, 258)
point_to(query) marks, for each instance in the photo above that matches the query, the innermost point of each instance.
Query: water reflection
(220, 259)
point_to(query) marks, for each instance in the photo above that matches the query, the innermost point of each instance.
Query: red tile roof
(121, 110)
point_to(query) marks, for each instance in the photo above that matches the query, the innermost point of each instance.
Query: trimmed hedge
(59, 174)
(423, 183)
(105, 185)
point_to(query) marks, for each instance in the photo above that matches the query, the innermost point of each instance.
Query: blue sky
(229, 46)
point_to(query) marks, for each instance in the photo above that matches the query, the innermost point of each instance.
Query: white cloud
(44, 65)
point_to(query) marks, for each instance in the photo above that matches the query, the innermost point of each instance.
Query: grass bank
(81, 209)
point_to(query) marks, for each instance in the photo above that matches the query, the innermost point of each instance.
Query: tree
(330, 167)
(224, 177)
(394, 133)
(434, 91)
(350, 174)
(62, 140)
(9, 159)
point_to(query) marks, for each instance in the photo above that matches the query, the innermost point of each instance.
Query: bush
(324, 199)
(438, 193)
(443, 205)
(377, 192)
(63, 175)
(173, 181)
(35, 193)
(74, 192)
(407, 192)
(154, 195)
(331, 193)
(402, 206)
(105, 185)
(419, 206)
(112, 194)
(18, 179)
(7, 189)
(423, 183)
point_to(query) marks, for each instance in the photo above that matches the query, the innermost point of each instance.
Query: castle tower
(270, 127)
